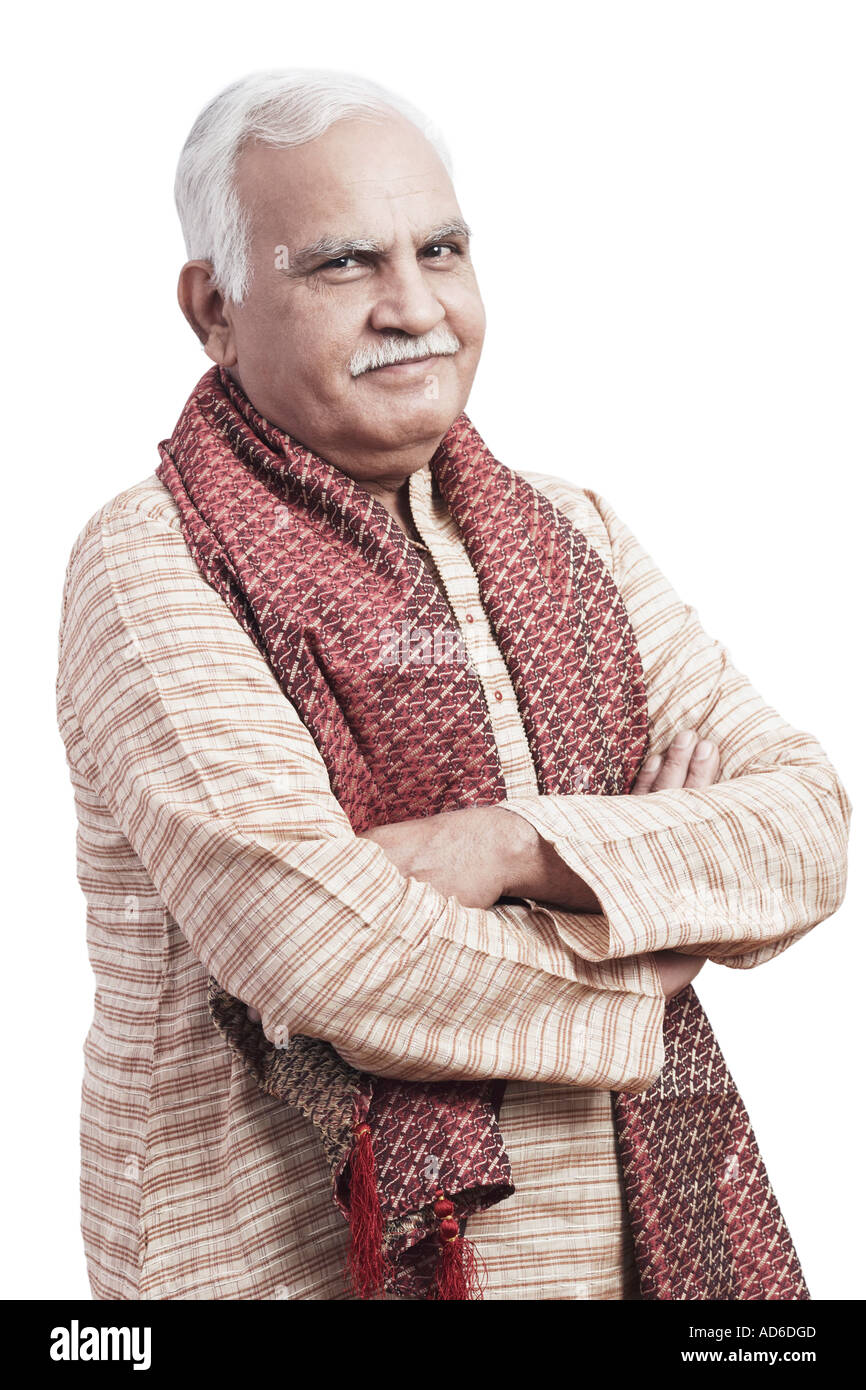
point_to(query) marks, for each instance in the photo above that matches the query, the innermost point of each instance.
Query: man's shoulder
(148, 499)
(143, 506)
(580, 505)
(138, 523)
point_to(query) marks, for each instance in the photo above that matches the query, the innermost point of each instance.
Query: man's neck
(386, 476)
(393, 493)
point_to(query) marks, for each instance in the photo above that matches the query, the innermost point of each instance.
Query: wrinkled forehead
(371, 177)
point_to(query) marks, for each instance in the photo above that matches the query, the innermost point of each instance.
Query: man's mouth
(407, 363)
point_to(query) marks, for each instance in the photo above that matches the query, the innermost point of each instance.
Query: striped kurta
(209, 843)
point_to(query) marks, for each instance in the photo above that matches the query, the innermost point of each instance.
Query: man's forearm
(481, 854)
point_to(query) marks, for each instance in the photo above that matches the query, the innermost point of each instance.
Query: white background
(669, 217)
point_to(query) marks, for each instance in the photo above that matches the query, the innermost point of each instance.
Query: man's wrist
(519, 849)
(532, 868)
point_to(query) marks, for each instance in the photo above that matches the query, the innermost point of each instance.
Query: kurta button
(497, 694)
(469, 618)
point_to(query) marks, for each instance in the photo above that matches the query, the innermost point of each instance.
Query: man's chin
(411, 418)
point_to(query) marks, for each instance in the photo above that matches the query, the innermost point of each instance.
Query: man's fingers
(704, 765)
(647, 775)
(675, 767)
(688, 762)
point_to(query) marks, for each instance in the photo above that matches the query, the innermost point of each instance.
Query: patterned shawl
(316, 571)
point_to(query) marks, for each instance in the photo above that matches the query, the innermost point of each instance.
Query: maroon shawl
(315, 570)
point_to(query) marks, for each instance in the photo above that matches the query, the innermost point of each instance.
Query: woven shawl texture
(316, 571)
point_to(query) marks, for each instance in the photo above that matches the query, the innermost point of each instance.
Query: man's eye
(338, 263)
(443, 246)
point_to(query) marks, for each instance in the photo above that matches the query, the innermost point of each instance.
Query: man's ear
(204, 310)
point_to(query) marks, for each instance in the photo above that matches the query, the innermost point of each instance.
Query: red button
(497, 694)
(469, 618)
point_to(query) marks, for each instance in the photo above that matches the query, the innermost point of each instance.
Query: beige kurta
(209, 843)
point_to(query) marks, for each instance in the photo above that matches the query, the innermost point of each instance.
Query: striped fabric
(209, 843)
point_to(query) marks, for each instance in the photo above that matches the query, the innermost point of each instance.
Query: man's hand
(471, 855)
(676, 970)
(686, 763)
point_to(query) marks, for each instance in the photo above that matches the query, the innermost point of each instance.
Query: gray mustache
(441, 343)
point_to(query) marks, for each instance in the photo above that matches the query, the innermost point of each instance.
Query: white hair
(283, 107)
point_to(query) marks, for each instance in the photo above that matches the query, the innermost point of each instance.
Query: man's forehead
(348, 189)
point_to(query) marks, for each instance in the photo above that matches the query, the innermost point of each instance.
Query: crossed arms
(481, 855)
(174, 719)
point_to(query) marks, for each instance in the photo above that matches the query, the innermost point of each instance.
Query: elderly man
(411, 797)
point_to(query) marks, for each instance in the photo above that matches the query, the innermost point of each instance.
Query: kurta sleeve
(211, 776)
(736, 872)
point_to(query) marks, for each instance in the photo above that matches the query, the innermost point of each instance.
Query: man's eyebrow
(329, 248)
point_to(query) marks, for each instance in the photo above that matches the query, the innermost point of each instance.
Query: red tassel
(366, 1230)
(459, 1271)
(458, 1276)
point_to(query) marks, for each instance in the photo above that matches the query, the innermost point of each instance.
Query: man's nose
(406, 301)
